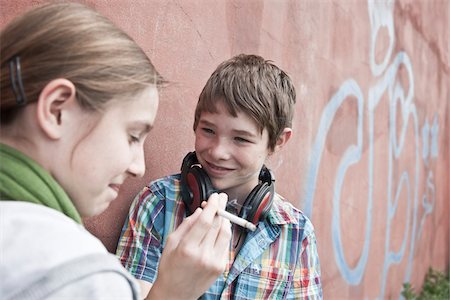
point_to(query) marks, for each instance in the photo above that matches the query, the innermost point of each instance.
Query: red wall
(369, 160)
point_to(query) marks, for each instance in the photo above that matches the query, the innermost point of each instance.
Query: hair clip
(16, 80)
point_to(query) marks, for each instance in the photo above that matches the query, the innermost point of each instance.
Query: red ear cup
(263, 208)
(196, 185)
(258, 203)
(195, 193)
(200, 187)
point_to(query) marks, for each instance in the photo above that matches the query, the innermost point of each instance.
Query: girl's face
(104, 150)
(231, 150)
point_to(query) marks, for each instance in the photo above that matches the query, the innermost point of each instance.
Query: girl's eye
(134, 139)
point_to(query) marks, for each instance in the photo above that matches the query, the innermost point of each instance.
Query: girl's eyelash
(134, 139)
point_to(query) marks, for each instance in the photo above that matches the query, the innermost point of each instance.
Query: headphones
(196, 187)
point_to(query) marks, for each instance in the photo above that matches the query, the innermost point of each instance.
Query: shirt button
(261, 243)
(257, 269)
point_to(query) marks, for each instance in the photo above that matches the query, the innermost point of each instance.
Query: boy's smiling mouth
(217, 170)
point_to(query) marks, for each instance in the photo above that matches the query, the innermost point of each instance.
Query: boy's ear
(283, 139)
(54, 100)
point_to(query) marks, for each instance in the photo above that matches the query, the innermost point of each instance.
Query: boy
(244, 114)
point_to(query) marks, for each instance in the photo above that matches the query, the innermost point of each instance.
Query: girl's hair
(254, 86)
(71, 41)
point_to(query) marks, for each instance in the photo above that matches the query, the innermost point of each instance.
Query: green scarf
(23, 179)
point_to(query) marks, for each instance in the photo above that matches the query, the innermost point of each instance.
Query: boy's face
(231, 150)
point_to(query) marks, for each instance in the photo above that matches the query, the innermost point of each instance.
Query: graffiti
(400, 96)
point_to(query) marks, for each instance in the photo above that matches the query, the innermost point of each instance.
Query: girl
(78, 98)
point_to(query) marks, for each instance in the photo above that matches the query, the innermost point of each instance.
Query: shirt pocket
(264, 282)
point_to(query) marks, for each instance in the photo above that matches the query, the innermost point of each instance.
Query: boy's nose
(219, 150)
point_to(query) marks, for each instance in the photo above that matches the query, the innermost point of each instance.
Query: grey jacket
(46, 255)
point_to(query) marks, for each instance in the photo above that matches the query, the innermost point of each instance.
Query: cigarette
(237, 220)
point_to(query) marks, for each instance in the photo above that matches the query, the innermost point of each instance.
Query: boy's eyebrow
(207, 123)
(244, 133)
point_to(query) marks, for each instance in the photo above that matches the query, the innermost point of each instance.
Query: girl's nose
(137, 166)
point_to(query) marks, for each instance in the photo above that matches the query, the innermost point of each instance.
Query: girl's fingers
(182, 230)
(204, 222)
(221, 228)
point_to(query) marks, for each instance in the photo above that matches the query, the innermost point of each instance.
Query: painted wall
(369, 161)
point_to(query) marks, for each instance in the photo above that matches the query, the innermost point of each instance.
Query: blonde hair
(72, 41)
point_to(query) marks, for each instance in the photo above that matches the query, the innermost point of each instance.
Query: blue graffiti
(387, 86)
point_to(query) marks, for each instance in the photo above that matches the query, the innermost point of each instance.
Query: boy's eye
(207, 130)
(241, 140)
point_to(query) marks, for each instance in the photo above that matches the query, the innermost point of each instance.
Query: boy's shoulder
(284, 213)
(161, 187)
(169, 180)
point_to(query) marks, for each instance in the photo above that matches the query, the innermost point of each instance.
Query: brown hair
(72, 41)
(254, 86)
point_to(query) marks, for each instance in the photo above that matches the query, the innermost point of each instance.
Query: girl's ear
(283, 139)
(55, 99)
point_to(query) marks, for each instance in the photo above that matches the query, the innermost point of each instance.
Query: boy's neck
(235, 200)
(238, 194)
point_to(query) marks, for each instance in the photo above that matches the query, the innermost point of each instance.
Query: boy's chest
(253, 277)
(237, 240)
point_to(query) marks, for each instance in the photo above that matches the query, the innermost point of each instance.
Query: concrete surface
(369, 160)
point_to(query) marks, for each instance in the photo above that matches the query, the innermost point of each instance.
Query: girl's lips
(115, 187)
(115, 191)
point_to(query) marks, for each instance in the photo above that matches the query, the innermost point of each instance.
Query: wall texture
(369, 160)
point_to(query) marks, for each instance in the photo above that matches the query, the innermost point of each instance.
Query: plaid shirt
(277, 261)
